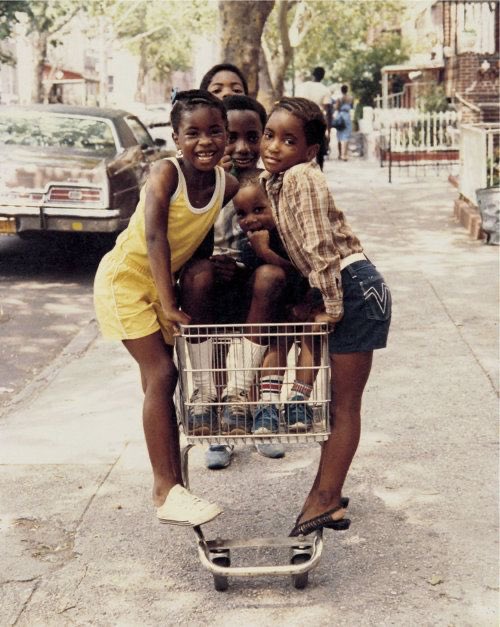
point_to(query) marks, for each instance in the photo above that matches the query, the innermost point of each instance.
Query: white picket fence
(413, 131)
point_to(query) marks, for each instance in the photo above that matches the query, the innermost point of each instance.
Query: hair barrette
(174, 94)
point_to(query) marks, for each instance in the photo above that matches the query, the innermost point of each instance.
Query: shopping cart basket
(285, 341)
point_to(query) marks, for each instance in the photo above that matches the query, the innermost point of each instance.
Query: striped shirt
(314, 232)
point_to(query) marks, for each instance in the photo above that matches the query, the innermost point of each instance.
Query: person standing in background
(320, 94)
(343, 107)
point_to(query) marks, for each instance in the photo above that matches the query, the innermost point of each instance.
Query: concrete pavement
(79, 541)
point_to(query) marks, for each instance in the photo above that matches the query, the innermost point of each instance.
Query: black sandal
(318, 522)
(344, 504)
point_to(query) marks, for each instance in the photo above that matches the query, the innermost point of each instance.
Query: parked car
(157, 120)
(77, 169)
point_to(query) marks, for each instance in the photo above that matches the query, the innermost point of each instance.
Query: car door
(149, 150)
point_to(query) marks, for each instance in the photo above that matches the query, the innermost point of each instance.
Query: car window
(140, 133)
(84, 134)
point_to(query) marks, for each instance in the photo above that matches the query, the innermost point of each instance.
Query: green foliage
(434, 99)
(47, 17)
(335, 36)
(362, 69)
(160, 32)
(9, 15)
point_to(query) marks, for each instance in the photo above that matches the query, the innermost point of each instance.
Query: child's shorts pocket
(377, 297)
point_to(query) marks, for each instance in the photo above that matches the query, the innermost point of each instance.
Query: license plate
(8, 226)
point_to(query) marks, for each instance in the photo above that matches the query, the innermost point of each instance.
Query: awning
(58, 76)
(412, 67)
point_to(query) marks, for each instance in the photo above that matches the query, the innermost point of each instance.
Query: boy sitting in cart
(300, 304)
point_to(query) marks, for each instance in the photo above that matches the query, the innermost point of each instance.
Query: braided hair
(189, 100)
(311, 115)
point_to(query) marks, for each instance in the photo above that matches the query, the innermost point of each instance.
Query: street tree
(160, 33)
(9, 17)
(242, 23)
(302, 34)
(285, 29)
(43, 23)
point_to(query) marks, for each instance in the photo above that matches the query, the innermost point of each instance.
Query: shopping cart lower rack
(223, 374)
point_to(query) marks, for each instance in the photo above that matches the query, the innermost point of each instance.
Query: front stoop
(469, 217)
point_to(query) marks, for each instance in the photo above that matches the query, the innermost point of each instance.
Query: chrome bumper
(65, 219)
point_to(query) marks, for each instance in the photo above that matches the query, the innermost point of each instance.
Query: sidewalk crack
(462, 336)
(101, 483)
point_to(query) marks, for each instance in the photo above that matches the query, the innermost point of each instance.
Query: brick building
(471, 57)
(457, 43)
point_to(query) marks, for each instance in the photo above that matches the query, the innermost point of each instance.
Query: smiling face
(201, 137)
(252, 209)
(244, 135)
(225, 83)
(284, 143)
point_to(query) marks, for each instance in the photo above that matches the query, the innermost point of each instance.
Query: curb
(469, 217)
(76, 347)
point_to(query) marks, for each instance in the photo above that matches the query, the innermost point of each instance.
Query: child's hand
(176, 317)
(225, 267)
(226, 162)
(324, 317)
(259, 241)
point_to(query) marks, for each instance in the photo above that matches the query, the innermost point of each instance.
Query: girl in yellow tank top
(134, 290)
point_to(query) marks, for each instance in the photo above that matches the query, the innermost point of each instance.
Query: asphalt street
(79, 541)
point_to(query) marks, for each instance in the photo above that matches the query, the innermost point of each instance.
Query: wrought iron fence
(418, 142)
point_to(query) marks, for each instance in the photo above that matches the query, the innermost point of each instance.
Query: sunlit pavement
(79, 540)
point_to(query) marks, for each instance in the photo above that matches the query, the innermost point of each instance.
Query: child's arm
(260, 243)
(310, 194)
(162, 184)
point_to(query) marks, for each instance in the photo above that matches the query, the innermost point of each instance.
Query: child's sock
(242, 359)
(200, 355)
(270, 389)
(301, 389)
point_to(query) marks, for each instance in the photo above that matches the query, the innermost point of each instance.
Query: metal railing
(412, 96)
(479, 158)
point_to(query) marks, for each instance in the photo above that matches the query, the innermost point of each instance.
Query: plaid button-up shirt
(314, 232)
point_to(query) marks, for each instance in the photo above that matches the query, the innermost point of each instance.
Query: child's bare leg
(159, 377)
(268, 284)
(350, 373)
(197, 284)
(267, 288)
(308, 360)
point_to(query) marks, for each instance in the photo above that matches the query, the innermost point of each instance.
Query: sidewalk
(79, 541)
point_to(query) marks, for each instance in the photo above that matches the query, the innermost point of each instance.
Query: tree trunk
(242, 23)
(140, 90)
(39, 93)
(278, 64)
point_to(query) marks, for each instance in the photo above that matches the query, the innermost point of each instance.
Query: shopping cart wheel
(221, 558)
(300, 581)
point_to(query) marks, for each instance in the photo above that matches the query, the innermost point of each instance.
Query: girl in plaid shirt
(357, 301)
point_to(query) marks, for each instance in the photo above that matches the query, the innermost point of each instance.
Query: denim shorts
(367, 311)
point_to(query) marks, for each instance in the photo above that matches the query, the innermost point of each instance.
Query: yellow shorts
(126, 300)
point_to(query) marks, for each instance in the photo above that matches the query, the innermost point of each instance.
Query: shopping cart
(285, 341)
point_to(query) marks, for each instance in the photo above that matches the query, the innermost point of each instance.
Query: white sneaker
(183, 508)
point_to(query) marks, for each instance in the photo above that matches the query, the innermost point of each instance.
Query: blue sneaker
(218, 456)
(266, 420)
(202, 415)
(273, 450)
(236, 417)
(298, 416)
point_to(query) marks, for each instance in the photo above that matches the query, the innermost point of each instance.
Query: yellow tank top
(187, 225)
